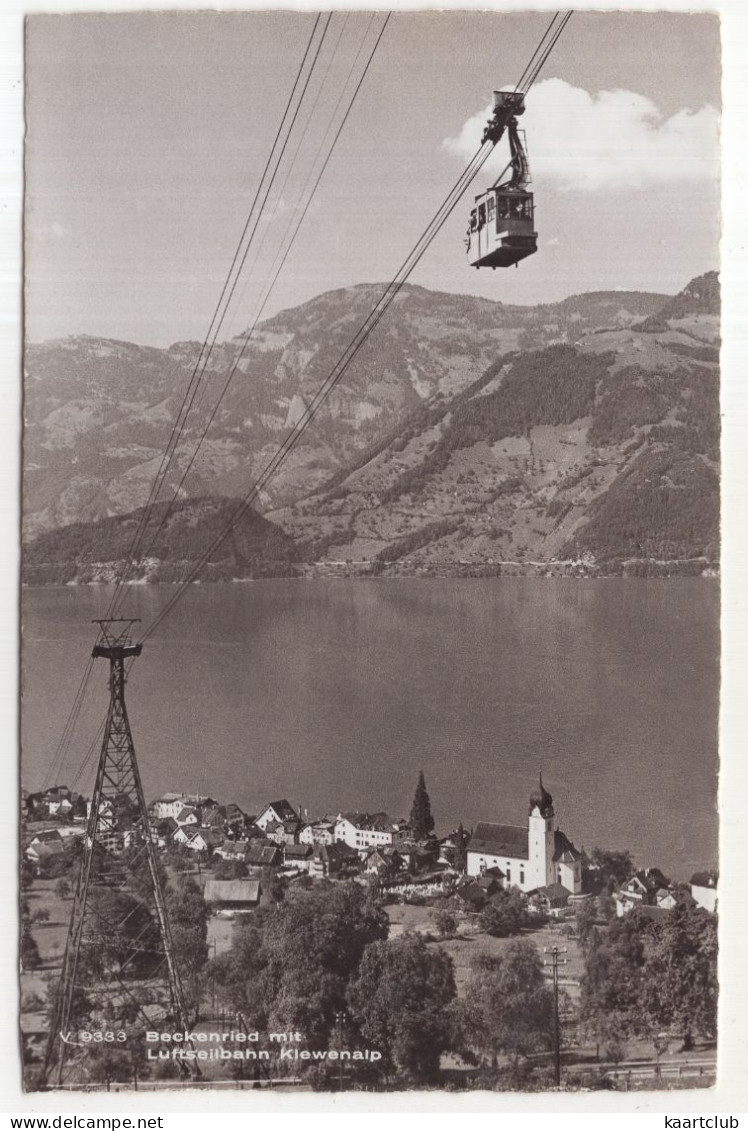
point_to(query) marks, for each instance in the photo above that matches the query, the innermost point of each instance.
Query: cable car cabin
(502, 228)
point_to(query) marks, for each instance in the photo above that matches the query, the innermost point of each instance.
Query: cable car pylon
(119, 973)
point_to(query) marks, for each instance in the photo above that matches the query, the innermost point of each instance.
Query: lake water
(335, 693)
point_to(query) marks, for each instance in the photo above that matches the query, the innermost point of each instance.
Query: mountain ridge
(600, 443)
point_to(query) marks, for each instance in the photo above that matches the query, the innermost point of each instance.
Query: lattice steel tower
(119, 973)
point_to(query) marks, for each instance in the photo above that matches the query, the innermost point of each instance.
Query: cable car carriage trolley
(502, 224)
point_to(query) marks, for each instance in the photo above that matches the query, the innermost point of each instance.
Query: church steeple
(541, 800)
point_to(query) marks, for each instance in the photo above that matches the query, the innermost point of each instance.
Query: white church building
(529, 856)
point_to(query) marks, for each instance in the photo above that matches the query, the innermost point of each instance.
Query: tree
(614, 868)
(461, 842)
(446, 924)
(62, 888)
(611, 986)
(508, 1007)
(421, 820)
(188, 917)
(504, 914)
(586, 918)
(679, 978)
(124, 1062)
(400, 1002)
(231, 870)
(290, 965)
(30, 958)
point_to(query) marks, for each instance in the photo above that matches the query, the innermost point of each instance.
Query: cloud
(615, 139)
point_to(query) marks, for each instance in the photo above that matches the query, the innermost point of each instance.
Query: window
(481, 215)
(509, 875)
(473, 220)
(521, 876)
(491, 209)
(503, 207)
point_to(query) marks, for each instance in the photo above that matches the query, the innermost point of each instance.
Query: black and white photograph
(370, 577)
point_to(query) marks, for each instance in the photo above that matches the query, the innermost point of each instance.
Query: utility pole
(119, 972)
(553, 965)
(340, 1017)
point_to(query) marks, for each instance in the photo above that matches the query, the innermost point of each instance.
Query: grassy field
(468, 945)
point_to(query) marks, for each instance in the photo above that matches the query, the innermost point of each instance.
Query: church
(529, 856)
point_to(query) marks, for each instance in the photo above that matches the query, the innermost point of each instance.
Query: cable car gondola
(502, 224)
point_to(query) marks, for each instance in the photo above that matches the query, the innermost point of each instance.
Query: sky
(147, 134)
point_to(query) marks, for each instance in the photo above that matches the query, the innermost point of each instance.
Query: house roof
(704, 879)
(472, 893)
(554, 892)
(263, 854)
(501, 840)
(232, 891)
(48, 848)
(185, 812)
(48, 836)
(489, 880)
(655, 913)
(284, 809)
(648, 878)
(376, 822)
(564, 852)
(298, 851)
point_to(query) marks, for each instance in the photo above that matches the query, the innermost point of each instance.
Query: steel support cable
(61, 750)
(300, 197)
(60, 755)
(175, 495)
(336, 374)
(365, 330)
(440, 217)
(296, 229)
(534, 55)
(294, 226)
(544, 57)
(230, 286)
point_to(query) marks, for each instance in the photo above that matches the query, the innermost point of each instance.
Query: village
(243, 855)
(467, 893)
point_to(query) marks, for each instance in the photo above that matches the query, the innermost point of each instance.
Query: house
(187, 815)
(167, 806)
(333, 859)
(41, 852)
(213, 817)
(530, 856)
(704, 889)
(116, 841)
(297, 856)
(318, 832)
(472, 894)
(385, 862)
(232, 895)
(235, 819)
(364, 830)
(163, 831)
(202, 839)
(401, 831)
(264, 856)
(233, 850)
(46, 836)
(70, 835)
(641, 890)
(491, 881)
(549, 899)
(276, 812)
